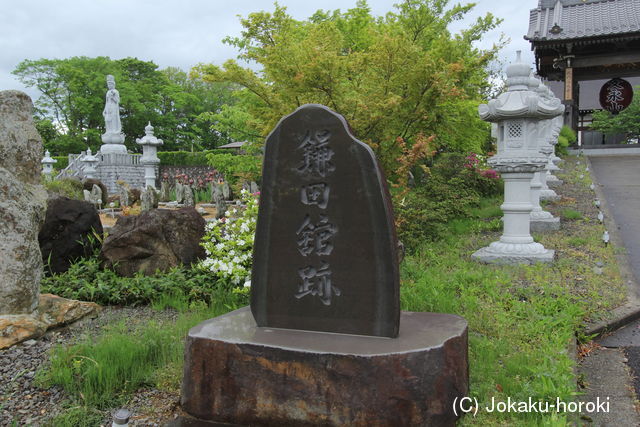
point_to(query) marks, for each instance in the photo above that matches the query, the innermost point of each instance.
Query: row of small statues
(184, 195)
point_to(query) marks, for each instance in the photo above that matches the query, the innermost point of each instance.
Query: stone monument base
(236, 372)
(544, 224)
(488, 255)
(113, 149)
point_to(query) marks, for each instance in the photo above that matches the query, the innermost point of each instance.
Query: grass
(571, 214)
(101, 373)
(522, 319)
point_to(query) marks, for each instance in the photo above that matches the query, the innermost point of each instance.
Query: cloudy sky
(179, 33)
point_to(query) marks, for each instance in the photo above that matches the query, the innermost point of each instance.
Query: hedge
(187, 158)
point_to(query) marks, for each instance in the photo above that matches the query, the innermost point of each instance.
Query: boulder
(57, 311)
(158, 239)
(53, 311)
(68, 233)
(22, 205)
(88, 184)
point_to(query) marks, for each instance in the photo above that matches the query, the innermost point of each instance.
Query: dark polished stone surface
(239, 373)
(325, 255)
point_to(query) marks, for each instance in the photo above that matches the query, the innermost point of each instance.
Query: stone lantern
(90, 161)
(556, 124)
(542, 220)
(47, 164)
(149, 155)
(517, 113)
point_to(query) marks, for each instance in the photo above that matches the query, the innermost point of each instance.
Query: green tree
(397, 79)
(73, 96)
(627, 121)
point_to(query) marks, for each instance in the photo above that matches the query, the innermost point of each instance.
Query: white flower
(247, 284)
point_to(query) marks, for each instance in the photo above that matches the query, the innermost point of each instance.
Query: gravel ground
(23, 403)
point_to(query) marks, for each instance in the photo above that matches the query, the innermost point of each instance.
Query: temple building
(588, 51)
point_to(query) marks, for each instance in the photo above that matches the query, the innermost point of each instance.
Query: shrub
(566, 137)
(86, 280)
(228, 242)
(68, 187)
(454, 185)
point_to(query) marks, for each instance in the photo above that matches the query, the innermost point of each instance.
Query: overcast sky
(179, 33)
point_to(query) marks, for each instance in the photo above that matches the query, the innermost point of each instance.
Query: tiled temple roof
(576, 19)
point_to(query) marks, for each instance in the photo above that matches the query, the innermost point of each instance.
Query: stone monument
(113, 138)
(149, 199)
(324, 342)
(123, 192)
(149, 158)
(187, 195)
(165, 191)
(518, 113)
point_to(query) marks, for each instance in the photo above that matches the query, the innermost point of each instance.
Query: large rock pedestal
(236, 372)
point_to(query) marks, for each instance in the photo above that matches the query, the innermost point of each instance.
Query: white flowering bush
(228, 242)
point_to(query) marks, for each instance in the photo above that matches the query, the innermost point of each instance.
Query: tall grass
(102, 372)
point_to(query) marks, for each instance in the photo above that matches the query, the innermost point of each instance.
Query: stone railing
(74, 168)
(119, 159)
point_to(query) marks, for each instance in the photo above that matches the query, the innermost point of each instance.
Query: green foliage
(566, 137)
(450, 190)
(68, 187)
(236, 167)
(626, 122)
(62, 162)
(87, 281)
(73, 96)
(187, 158)
(403, 76)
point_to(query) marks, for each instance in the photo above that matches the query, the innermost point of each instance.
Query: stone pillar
(22, 203)
(518, 113)
(149, 158)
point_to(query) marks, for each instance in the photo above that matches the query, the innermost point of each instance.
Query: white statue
(113, 138)
(111, 110)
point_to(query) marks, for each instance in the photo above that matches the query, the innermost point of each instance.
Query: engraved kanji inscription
(315, 238)
(315, 194)
(317, 282)
(316, 157)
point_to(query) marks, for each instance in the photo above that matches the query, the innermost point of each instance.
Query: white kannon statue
(113, 138)
(111, 111)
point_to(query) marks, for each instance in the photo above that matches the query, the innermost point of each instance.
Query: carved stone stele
(325, 255)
